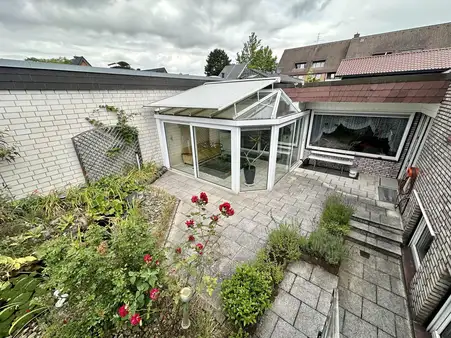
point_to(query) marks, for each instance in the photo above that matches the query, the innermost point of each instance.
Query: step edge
(375, 247)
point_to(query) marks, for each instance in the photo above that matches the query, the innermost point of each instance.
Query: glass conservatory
(241, 135)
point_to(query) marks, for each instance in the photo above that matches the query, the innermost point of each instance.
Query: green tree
(60, 59)
(216, 61)
(310, 77)
(257, 56)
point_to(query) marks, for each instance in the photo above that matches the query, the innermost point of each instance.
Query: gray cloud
(179, 34)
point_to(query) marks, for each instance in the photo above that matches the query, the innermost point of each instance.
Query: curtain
(388, 128)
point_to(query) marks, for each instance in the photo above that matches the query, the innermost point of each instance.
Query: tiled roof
(432, 59)
(406, 92)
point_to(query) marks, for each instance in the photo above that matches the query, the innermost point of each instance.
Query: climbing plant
(7, 152)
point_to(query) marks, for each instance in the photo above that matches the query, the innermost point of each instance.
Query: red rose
(199, 246)
(224, 207)
(189, 223)
(157, 262)
(178, 250)
(147, 258)
(154, 293)
(230, 212)
(123, 311)
(203, 196)
(194, 199)
(191, 238)
(214, 218)
(135, 319)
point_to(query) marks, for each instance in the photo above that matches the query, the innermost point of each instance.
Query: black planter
(249, 174)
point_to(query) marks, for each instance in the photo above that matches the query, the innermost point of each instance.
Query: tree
(257, 56)
(216, 61)
(120, 64)
(310, 77)
(60, 59)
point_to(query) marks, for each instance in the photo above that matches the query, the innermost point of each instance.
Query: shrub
(264, 263)
(324, 245)
(246, 295)
(283, 244)
(336, 215)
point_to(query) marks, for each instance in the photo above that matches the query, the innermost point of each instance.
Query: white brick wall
(42, 123)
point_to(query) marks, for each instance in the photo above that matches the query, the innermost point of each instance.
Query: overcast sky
(178, 34)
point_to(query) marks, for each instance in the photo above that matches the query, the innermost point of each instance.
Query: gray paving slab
(362, 288)
(306, 291)
(350, 301)
(377, 277)
(309, 321)
(356, 327)
(391, 301)
(379, 316)
(287, 281)
(403, 328)
(301, 268)
(285, 330)
(266, 325)
(324, 300)
(324, 279)
(286, 306)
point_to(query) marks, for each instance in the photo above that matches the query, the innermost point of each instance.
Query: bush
(263, 262)
(336, 215)
(283, 244)
(246, 295)
(324, 245)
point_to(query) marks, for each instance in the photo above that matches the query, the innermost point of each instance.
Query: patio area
(303, 300)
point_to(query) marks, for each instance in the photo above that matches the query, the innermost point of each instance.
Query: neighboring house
(324, 59)
(242, 71)
(157, 70)
(80, 61)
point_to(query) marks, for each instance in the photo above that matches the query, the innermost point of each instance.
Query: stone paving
(373, 302)
(302, 304)
(372, 297)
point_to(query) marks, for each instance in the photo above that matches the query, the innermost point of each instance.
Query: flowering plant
(199, 242)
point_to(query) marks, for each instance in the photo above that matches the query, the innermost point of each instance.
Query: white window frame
(319, 64)
(300, 63)
(441, 320)
(422, 226)
(362, 114)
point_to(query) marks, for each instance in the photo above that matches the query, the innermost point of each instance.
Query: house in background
(156, 70)
(324, 59)
(242, 71)
(80, 61)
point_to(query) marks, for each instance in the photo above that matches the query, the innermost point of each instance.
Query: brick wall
(432, 280)
(42, 123)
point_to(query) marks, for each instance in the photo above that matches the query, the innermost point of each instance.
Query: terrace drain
(364, 254)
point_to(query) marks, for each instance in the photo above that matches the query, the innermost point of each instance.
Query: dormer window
(318, 64)
(300, 65)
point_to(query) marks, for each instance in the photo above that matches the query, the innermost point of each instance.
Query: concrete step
(376, 232)
(378, 244)
(379, 221)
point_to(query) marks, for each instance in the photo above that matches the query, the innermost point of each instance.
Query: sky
(179, 34)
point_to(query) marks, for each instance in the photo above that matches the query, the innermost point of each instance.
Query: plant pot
(249, 174)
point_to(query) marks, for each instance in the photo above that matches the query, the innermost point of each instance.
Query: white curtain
(382, 127)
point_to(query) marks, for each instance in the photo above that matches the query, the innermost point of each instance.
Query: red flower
(135, 319)
(154, 293)
(199, 248)
(122, 311)
(157, 262)
(230, 212)
(27, 310)
(64, 321)
(191, 238)
(147, 258)
(203, 196)
(214, 218)
(189, 223)
(224, 207)
(178, 250)
(194, 199)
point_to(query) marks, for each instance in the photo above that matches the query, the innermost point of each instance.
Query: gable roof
(425, 60)
(232, 72)
(79, 60)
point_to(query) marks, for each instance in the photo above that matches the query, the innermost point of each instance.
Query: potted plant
(249, 167)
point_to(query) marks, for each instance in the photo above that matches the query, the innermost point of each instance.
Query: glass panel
(229, 113)
(284, 150)
(363, 134)
(296, 142)
(285, 107)
(446, 332)
(178, 140)
(424, 242)
(214, 155)
(261, 111)
(255, 145)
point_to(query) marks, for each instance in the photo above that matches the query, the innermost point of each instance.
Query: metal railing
(332, 326)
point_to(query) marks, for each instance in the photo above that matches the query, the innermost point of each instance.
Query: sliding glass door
(180, 152)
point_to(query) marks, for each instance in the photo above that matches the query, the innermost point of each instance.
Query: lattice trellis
(93, 148)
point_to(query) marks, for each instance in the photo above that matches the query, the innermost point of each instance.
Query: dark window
(360, 134)
(318, 64)
(300, 65)
(382, 53)
(330, 76)
(423, 242)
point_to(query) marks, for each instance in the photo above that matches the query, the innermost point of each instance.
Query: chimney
(356, 35)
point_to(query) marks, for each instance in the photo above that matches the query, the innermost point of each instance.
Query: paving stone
(287, 281)
(362, 288)
(244, 255)
(382, 334)
(352, 266)
(261, 218)
(284, 330)
(286, 306)
(356, 327)
(377, 277)
(249, 241)
(301, 268)
(403, 328)
(223, 267)
(324, 300)
(266, 324)
(309, 321)
(324, 279)
(305, 291)
(397, 286)
(232, 232)
(392, 302)
(379, 316)
(227, 247)
(350, 301)
(247, 225)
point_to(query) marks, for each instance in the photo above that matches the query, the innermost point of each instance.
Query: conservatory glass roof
(241, 99)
